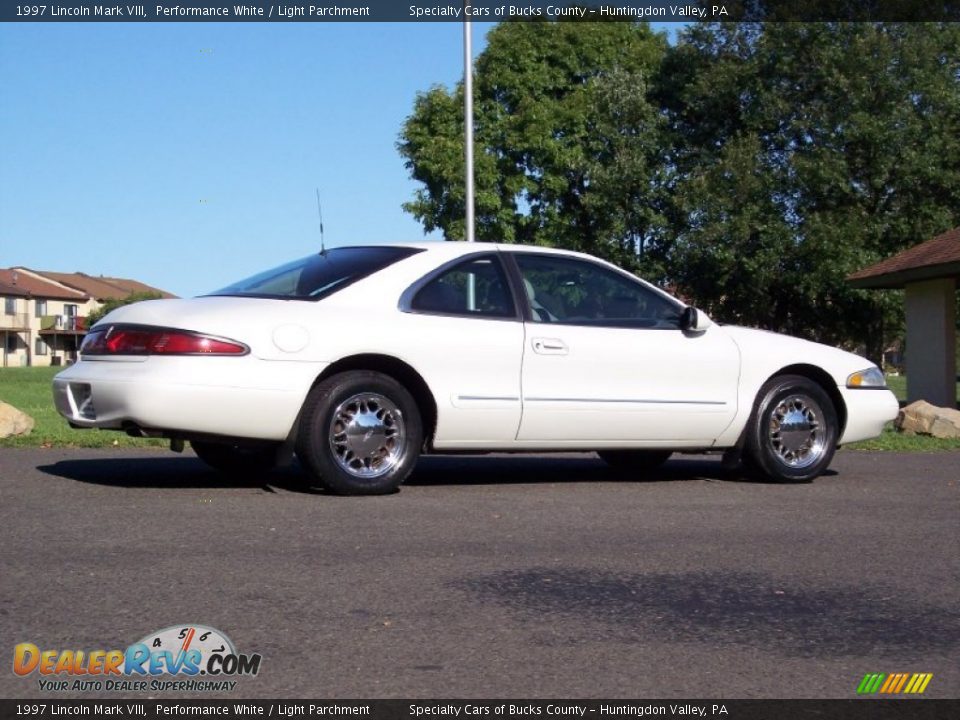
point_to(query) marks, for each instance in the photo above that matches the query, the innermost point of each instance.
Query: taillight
(145, 340)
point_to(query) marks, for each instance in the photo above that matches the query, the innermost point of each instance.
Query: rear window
(317, 276)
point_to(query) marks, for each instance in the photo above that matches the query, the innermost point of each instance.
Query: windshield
(317, 276)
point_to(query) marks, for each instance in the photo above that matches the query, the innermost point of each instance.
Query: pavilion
(928, 274)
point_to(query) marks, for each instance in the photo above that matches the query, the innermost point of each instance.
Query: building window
(41, 308)
(10, 306)
(70, 310)
(11, 343)
(40, 347)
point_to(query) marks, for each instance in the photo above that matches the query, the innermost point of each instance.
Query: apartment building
(43, 321)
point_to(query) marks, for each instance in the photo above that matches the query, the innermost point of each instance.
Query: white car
(360, 358)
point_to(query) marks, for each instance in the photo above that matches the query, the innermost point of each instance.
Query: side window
(576, 292)
(474, 288)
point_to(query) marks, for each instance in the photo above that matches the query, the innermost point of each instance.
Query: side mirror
(693, 320)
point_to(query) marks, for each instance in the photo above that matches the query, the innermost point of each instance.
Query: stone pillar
(931, 342)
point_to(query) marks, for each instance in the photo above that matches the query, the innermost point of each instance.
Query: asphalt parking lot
(496, 576)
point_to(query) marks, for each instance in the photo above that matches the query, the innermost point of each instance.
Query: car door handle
(549, 346)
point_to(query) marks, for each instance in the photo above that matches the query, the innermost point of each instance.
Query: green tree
(112, 304)
(803, 152)
(565, 140)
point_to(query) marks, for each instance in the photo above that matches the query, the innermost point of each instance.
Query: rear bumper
(238, 397)
(867, 412)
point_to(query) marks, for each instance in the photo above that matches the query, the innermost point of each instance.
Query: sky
(187, 155)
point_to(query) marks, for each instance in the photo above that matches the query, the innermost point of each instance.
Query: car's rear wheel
(235, 459)
(360, 433)
(793, 432)
(641, 461)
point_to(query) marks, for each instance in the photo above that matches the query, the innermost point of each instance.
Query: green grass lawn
(28, 389)
(898, 383)
(893, 441)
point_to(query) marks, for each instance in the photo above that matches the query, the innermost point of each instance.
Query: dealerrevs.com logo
(181, 658)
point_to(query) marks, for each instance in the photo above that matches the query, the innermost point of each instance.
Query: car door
(605, 361)
(466, 332)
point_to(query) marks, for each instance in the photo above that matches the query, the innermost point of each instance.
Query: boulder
(946, 424)
(922, 418)
(13, 421)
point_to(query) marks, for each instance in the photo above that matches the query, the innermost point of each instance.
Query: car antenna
(323, 247)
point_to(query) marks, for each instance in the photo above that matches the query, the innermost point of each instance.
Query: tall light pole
(468, 121)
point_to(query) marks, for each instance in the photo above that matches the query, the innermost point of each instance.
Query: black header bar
(481, 10)
(152, 709)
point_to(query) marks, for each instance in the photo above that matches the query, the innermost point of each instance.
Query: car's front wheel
(360, 433)
(793, 432)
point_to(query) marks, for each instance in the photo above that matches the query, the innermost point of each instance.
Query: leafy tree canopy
(804, 152)
(548, 100)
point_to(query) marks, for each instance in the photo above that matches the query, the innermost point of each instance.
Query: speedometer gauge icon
(181, 639)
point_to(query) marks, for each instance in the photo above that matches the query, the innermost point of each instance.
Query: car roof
(438, 252)
(454, 248)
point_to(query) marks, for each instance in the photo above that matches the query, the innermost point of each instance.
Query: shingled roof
(24, 284)
(933, 259)
(102, 288)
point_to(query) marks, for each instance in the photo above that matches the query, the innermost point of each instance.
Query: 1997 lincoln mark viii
(360, 358)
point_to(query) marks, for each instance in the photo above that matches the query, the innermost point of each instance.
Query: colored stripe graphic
(918, 683)
(870, 683)
(894, 683)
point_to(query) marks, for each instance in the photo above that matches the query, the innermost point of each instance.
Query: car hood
(271, 328)
(768, 352)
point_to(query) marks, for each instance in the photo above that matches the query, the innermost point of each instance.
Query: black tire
(236, 459)
(802, 451)
(640, 461)
(333, 447)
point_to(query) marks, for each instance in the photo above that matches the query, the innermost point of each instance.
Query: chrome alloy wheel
(367, 435)
(797, 433)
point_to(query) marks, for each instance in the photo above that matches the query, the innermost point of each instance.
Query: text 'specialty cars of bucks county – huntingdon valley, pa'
(359, 359)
